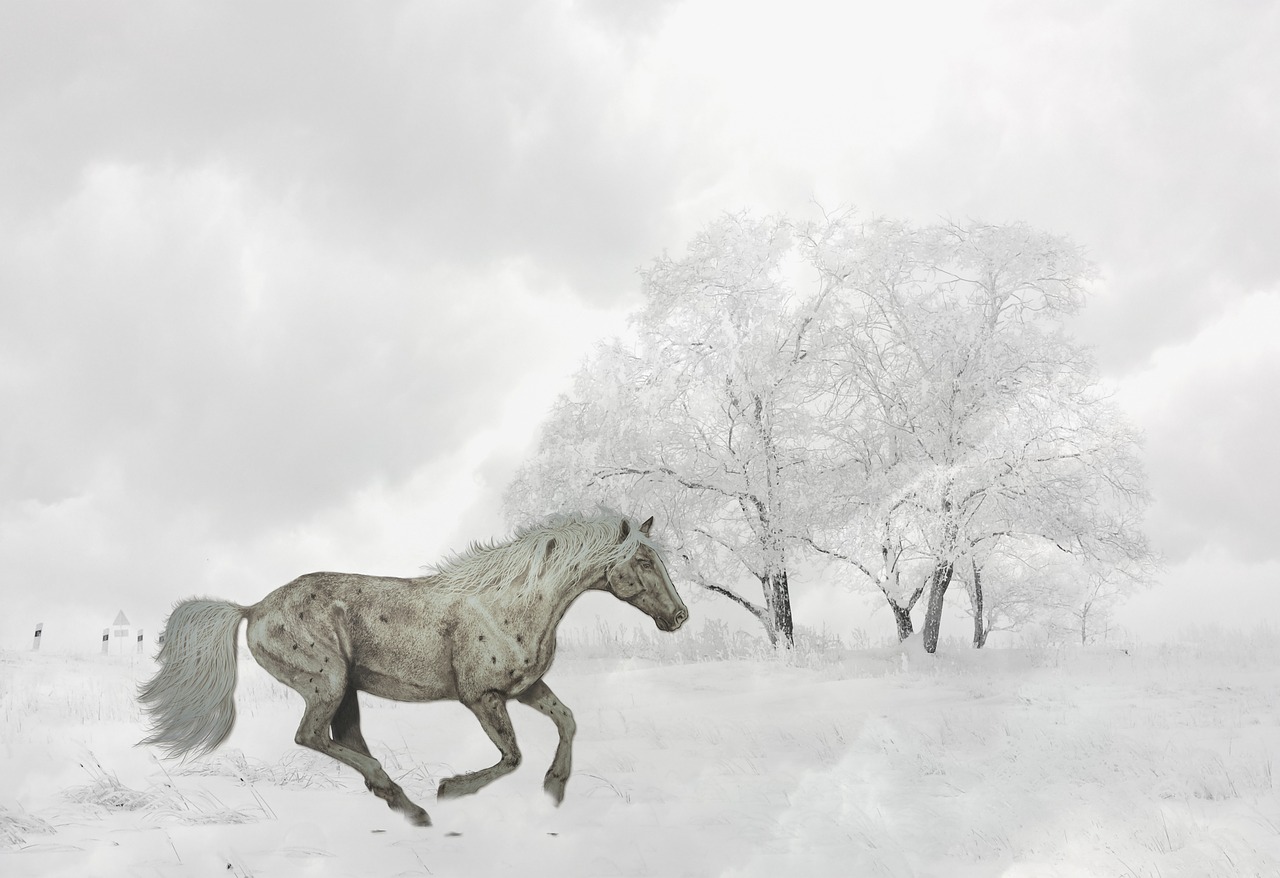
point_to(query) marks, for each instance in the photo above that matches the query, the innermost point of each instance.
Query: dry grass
(299, 770)
(15, 826)
(163, 800)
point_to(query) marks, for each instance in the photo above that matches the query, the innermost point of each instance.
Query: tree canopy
(903, 399)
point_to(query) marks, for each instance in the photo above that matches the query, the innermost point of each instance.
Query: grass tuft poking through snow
(299, 770)
(16, 825)
(161, 799)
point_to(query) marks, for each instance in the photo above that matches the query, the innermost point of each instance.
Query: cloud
(425, 133)
(1146, 133)
(1211, 587)
(1207, 407)
(171, 327)
(172, 330)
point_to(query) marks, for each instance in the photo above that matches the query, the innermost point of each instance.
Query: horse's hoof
(449, 789)
(555, 789)
(412, 811)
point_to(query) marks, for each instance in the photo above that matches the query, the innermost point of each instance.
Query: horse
(480, 629)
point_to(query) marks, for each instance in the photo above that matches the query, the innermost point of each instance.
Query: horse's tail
(190, 700)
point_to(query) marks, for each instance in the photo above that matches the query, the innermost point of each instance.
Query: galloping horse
(481, 631)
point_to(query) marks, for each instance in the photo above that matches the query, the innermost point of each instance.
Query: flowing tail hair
(190, 701)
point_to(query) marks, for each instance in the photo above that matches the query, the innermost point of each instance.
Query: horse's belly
(404, 670)
(402, 686)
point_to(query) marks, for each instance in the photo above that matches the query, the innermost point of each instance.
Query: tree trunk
(778, 600)
(980, 631)
(902, 615)
(938, 582)
(776, 590)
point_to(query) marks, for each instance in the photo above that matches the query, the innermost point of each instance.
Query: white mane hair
(542, 557)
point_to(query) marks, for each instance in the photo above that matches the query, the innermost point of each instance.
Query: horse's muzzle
(675, 621)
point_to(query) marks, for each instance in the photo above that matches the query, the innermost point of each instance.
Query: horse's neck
(558, 600)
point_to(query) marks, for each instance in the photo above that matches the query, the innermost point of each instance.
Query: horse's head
(643, 582)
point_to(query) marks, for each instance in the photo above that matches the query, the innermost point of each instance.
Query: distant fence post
(35, 644)
(160, 639)
(139, 640)
(106, 639)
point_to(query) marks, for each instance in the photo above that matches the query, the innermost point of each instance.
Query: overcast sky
(287, 287)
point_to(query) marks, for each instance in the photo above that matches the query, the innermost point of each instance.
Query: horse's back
(322, 598)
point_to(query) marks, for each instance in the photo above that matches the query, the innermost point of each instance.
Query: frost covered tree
(967, 406)
(903, 399)
(702, 417)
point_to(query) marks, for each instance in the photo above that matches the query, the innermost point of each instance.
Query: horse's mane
(523, 567)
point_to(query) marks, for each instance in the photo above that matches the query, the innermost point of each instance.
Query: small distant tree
(1068, 590)
(1013, 584)
(1004, 593)
(1099, 577)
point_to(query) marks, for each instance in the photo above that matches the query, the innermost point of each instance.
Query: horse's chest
(489, 663)
(500, 648)
(504, 669)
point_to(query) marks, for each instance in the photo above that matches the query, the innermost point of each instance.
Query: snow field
(885, 763)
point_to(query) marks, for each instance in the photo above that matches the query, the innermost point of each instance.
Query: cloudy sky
(288, 286)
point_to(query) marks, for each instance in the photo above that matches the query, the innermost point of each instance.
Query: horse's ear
(626, 531)
(648, 523)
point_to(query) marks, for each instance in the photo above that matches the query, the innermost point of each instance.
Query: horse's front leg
(491, 709)
(540, 697)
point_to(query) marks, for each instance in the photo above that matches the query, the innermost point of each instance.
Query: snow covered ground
(1154, 763)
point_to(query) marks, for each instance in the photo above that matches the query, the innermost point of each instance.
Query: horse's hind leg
(322, 711)
(491, 710)
(346, 723)
(540, 697)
